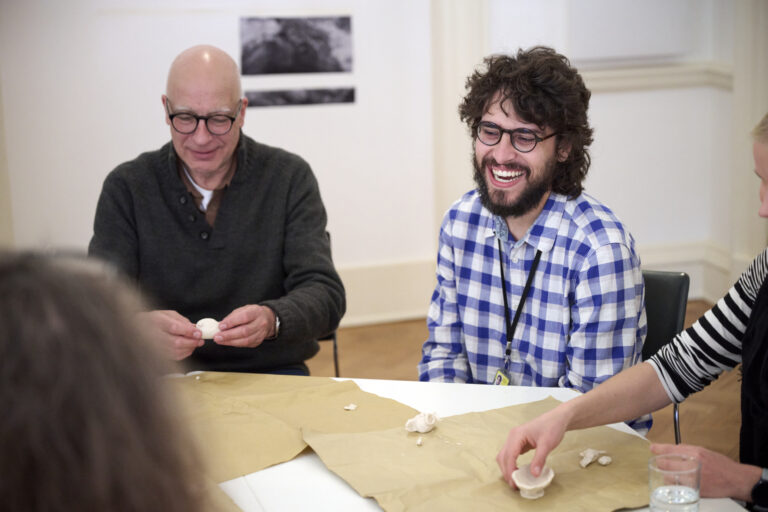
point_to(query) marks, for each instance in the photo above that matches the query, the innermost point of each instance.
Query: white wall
(80, 83)
(660, 73)
(6, 224)
(81, 86)
(658, 174)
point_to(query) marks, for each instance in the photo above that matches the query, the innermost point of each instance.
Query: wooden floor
(710, 418)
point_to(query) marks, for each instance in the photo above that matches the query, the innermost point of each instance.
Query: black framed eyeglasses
(216, 124)
(523, 139)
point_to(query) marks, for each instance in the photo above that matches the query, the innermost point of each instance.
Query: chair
(332, 336)
(666, 298)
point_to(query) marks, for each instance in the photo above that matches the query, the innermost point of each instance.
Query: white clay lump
(532, 487)
(209, 327)
(422, 423)
(604, 460)
(350, 407)
(590, 455)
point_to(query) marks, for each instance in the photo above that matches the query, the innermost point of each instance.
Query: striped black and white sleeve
(699, 354)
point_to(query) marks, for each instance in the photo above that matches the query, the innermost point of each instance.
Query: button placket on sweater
(192, 217)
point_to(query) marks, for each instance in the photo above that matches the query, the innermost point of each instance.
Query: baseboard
(711, 267)
(401, 291)
(387, 292)
(701, 74)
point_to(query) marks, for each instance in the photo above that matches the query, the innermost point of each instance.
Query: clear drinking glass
(674, 482)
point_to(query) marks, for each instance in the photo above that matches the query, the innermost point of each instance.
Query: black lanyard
(511, 327)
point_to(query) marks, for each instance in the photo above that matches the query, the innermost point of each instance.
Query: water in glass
(674, 498)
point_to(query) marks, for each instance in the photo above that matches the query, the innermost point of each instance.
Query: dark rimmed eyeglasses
(523, 139)
(216, 124)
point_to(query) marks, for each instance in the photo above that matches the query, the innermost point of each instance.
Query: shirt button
(204, 235)
(183, 199)
(514, 260)
(192, 218)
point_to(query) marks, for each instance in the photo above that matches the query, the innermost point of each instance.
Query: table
(274, 488)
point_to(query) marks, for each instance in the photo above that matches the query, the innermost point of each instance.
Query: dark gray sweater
(268, 247)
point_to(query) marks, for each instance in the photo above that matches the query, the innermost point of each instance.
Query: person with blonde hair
(87, 423)
(734, 331)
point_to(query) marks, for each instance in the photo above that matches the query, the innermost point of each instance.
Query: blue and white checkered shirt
(583, 320)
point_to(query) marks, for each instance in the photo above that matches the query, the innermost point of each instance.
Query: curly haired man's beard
(528, 199)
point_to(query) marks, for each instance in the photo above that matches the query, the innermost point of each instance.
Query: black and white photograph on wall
(296, 45)
(300, 97)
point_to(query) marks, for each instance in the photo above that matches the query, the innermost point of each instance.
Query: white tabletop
(275, 489)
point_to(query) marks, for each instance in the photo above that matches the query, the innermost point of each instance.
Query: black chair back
(666, 298)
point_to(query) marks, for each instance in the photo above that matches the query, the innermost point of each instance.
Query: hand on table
(246, 326)
(177, 335)
(721, 476)
(543, 434)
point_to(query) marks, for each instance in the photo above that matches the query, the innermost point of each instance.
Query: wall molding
(393, 292)
(697, 74)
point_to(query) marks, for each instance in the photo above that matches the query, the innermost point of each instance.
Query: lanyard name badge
(503, 376)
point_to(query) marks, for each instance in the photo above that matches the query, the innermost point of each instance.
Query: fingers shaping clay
(209, 327)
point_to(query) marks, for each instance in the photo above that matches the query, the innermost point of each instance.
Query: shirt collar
(187, 179)
(241, 153)
(542, 233)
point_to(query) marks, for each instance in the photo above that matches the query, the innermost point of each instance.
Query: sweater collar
(241, 157)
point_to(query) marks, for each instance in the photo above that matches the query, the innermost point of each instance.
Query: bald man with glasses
(217, 225)
(538, 283)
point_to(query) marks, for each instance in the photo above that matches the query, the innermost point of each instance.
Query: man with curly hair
(538, 283)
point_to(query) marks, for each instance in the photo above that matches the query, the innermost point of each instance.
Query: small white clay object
(350, 407)
(604, 460)
(197, 377)
(532, 487)
(209, 327)
(422, 422)
(589, 456)
(420, 441)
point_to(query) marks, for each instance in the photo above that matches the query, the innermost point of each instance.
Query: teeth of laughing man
(505, 175)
